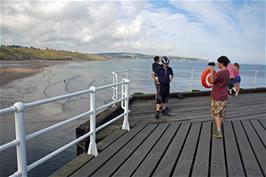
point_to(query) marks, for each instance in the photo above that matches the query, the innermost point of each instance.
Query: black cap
(211, 64)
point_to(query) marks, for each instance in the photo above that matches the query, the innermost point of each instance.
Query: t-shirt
(231, 70)
(237, 73)
(164, 75)
(155, 66)
(219, 89)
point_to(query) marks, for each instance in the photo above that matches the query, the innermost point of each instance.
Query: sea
(79, 75)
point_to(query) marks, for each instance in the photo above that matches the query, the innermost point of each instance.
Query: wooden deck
(182, 145)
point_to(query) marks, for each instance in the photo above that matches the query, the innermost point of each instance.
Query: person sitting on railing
(163, 76)
(231, 83)
(237, 79)
(155, 65)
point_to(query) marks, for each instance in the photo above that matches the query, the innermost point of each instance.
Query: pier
(182, 145)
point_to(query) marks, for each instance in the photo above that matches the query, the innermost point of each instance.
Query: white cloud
(201, 29)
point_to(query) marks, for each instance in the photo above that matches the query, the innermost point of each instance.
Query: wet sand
(11, 70)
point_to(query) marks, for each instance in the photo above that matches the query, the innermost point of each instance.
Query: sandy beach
(11, 70)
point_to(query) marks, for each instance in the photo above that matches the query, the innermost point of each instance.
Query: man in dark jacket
(163, 76)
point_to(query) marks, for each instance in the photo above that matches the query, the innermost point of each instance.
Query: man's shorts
(157, 89)
(218, 108)
(163, 94)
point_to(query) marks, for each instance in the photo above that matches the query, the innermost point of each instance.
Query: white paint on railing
(51, 155)
(92, 146)
(48, 129)
(190, 80)
(115, 88)
(21, 138)
(125, 125)
(7, 110)
(9, 145)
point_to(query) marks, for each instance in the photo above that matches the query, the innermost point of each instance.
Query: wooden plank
(193, 102)
(260, 130)
(149, 118)
(257, 145)
(118, 158)
(168, 161)
(217, 163)
(110, 139)
(151, 161)
(263, 122)
(251, 166)
(93, 165)
(234, 164)
(201, 164)
(230, 111)
(128, 167)
(82, 159)
(185, 161)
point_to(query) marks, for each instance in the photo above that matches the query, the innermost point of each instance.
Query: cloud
(203, 29)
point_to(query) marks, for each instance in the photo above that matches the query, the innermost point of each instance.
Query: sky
(201, 29)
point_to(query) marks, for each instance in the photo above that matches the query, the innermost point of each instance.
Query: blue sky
(203, 29)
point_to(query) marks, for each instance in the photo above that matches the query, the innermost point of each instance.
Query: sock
(218, 129)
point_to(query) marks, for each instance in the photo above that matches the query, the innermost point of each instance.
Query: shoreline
(11, 70)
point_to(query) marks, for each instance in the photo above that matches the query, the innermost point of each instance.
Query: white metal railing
(20, 142)
(184, 77)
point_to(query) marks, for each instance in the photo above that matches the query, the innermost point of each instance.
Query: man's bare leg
(163, 106)
(158, 107)
(157, 114)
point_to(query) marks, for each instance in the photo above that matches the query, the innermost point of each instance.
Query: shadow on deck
(182, 145)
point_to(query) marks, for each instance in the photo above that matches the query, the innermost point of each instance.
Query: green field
(30, 53)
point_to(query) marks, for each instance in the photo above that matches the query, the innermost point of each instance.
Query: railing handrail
(21, 138)
(191, 77)
(174, 68)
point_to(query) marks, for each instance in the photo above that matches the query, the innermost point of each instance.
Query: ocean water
(61, 79)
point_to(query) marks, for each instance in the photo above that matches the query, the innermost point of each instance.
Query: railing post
(255, 79)
(127, 74)
(20, 136)
(92, 146)
(115, 88)
(123, 96)
(192, 79)
(125, 125)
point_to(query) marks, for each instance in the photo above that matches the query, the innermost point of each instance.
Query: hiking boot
(157, 115)
(214, 131)
(217, 134)
(167, 109)
(165, 113)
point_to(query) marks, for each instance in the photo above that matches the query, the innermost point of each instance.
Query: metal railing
(20, 142)
(185, 77)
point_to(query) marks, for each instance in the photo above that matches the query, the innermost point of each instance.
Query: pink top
(231, 69)
(237, 73)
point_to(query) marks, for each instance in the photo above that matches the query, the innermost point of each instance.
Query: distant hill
(30, 53)
(15, 52)
(144, 56)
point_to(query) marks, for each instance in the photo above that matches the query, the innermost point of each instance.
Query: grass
(14, 53)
